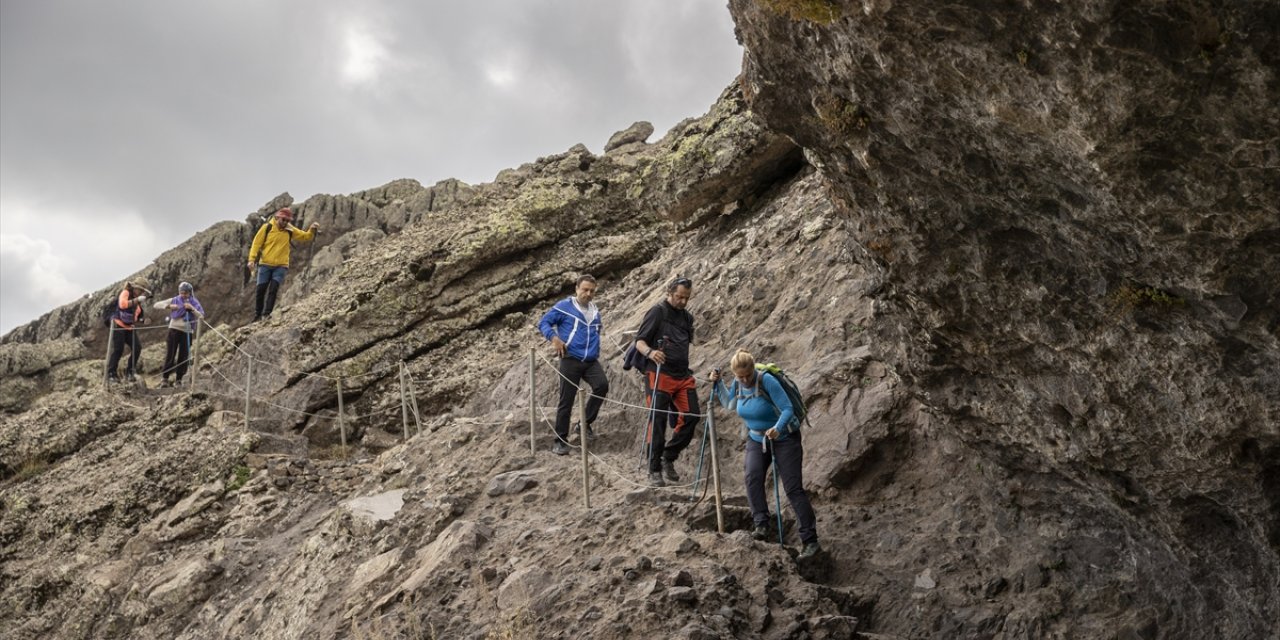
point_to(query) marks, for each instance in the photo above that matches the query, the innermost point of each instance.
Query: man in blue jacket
(573, 326)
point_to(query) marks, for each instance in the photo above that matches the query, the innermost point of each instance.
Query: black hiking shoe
(560, 448)
(655, 479)
(591, 434)
(810, 550)
(669, 470)
(165, 383)
(761, 532)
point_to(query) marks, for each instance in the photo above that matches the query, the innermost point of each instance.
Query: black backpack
(108, 313)
(632, 358)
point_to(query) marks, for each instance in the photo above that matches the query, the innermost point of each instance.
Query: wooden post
(404, 406)
(715, 460)
(195, 357)
(342, 424)
(533, 413)
(106, 373)
(248, 384)
(582, 442)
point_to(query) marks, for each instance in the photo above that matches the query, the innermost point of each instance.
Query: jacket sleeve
(722, 393)
(258, 239)
(778, 396)
(549, 321)
(300, 235)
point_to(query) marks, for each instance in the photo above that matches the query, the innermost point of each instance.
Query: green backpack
(801, 416)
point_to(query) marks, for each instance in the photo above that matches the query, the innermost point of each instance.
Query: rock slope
(1031, 300)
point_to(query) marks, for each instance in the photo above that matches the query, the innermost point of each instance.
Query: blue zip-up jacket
(582, 340)
(760, 412)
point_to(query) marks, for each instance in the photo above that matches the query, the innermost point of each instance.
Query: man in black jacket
(664, 338)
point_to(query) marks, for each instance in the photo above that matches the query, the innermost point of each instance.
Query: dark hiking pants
(676, 404)
(177, 352)
(121, 338)
(788, 456)
(573, 372)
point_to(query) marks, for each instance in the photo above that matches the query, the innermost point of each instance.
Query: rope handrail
(225, 338)
(620, 475)
(408, 380)
(619, 402)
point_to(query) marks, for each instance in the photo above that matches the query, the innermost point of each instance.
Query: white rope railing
(408, 405)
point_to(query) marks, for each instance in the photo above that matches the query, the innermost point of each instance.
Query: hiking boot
(165, 384)
(810, 550)
(129, 377)
(669, 470)
(591, 434)
(560, 448)
(655, 479)
(761, 532)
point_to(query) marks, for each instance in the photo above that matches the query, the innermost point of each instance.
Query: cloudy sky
(127, 126)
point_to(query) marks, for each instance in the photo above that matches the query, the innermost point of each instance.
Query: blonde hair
(742, 360)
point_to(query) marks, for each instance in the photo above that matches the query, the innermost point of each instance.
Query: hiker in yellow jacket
(270, 255)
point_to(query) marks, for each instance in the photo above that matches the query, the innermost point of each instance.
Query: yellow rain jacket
(273, 244)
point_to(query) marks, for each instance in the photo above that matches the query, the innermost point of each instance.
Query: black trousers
(177, 354)
(787, 456)
(573, 372)
(120, 338)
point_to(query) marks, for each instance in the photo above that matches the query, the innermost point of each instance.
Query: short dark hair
(586, 277)
(679, 282)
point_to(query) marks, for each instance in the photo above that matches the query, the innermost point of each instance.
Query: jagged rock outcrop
(1026, 297)
(1076, 211)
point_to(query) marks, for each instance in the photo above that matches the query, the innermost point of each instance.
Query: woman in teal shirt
(765, 408)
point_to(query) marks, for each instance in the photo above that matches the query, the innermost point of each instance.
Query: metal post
(106, 373)
(195, 355)
(582, 441)
(404, 406)
(715, 460)
(342, 423)
(248, 383)
(533, 414)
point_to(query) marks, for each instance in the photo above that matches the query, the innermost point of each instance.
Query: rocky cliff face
(1076, 207)
(1031, 299)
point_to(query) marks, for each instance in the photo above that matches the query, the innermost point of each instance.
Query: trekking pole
(715, 463)
(195, 355)
(653, 408)
(653, 415)
(582, 440)
(106, 372)
(697, 476)
(777, 499)
(413, 402)
(187, 335)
